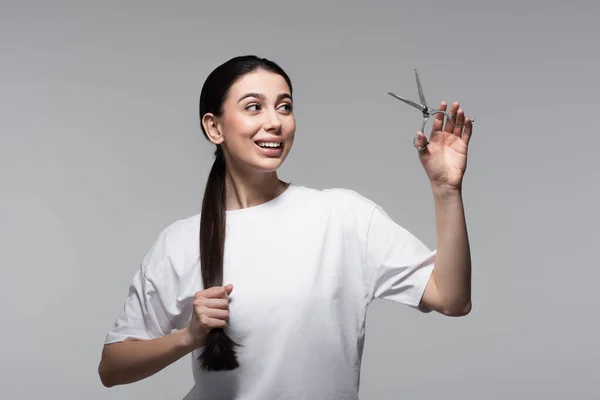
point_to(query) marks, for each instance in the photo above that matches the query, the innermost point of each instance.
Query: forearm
(134, 360)
(452, 271)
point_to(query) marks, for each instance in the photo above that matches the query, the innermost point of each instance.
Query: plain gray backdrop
(101, 149)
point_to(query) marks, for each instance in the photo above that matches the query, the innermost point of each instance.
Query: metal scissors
(425, 109)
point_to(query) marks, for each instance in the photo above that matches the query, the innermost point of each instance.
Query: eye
(253, 107)
(287, 107)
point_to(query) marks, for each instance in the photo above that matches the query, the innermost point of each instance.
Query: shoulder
(338, 198)
(348, 207)
(349, 198)
(174, 245)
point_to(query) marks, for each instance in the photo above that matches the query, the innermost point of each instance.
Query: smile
(270, 149)
(270, 145)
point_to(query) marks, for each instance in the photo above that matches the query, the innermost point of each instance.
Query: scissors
(426, 110)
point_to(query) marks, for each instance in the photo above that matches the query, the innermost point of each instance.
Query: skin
(252, 180)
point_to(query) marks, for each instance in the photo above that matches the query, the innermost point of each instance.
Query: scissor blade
(420, 89)
(409, 102)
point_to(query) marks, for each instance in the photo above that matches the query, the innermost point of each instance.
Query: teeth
(269, 144)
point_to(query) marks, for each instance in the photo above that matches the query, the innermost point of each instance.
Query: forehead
(264, 82)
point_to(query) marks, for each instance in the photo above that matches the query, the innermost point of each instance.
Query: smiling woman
(305, 263)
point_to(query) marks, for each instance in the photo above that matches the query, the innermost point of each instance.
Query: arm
(133, 360)
(449, 288)
(445, 161)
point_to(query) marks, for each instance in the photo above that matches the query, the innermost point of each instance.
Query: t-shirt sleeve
(143, 315)
(399, 264)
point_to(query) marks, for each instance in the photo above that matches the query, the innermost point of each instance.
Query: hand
(211, 310)
(445, 158)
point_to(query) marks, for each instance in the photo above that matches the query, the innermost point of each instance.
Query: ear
(213, 128)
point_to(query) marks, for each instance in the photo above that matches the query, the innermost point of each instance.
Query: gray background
(101, 149)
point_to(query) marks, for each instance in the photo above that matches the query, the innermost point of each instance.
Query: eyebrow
(262, 96)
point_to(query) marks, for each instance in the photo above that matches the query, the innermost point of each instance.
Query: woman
(268, 287)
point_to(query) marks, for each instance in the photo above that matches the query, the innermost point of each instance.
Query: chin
(268, 165)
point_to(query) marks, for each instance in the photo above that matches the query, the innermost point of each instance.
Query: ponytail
(219, 352)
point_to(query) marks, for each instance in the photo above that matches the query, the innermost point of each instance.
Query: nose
(272, 122)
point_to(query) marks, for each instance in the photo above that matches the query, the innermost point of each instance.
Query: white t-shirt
(304, 266)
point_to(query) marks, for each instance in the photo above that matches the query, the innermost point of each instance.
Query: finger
(438, 119)
(212, 323)
(420, 142)
(223, 293)
(216, 303)
(460, 119)
(212, 292)
(449, 127)
(229, 288)
(468, 131)
(218, 323)
(216, 314)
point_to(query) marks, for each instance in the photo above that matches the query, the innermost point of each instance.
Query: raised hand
(445, 157)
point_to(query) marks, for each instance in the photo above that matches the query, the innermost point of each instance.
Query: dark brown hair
(219, 350)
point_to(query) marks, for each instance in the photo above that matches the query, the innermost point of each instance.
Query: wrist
(444, 191)
(187, 340)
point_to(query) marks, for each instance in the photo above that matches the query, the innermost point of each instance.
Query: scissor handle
(431, 112)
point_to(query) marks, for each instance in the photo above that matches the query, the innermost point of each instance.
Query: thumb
(229, 288)
(420, 141)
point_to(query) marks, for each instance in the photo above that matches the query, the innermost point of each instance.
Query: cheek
(240, 127)
(289, 126)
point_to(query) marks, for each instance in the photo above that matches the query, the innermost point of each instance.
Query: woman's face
(257, 125)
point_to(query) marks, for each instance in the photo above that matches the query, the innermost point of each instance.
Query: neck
(248, 190)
